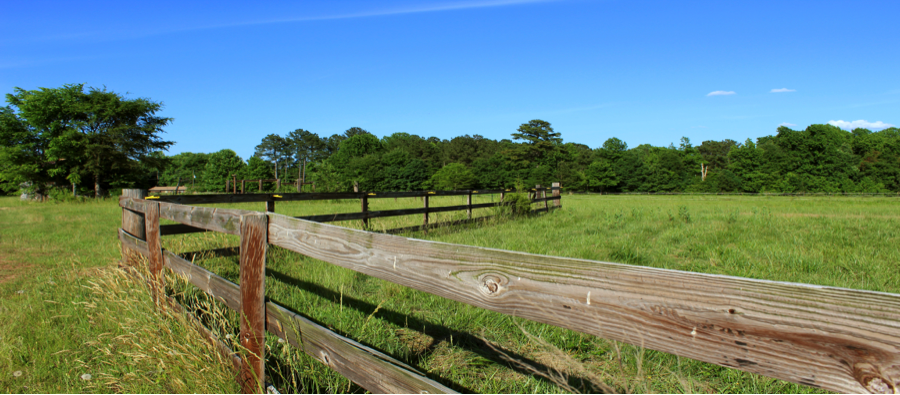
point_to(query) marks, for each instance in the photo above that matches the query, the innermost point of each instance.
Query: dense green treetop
(66, 135)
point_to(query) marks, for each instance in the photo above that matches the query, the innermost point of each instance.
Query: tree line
(106, 141)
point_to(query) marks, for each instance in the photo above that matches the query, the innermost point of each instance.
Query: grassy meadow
(64, 253)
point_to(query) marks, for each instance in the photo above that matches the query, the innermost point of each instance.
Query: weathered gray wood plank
(838, 339)
(209, 218)
(133, 220)
(131, 243)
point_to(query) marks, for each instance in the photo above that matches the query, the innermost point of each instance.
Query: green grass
(68, 312)
(847, 242)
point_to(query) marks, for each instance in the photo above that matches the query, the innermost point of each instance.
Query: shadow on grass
(439, 333)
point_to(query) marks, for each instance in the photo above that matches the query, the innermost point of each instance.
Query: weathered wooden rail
(838, 339)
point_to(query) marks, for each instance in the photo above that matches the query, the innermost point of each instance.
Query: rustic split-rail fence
(837, 339)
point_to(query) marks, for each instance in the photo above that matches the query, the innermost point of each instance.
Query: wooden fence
(537, 195)
(838, 339)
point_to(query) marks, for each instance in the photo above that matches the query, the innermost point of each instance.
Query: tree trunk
(98, 191)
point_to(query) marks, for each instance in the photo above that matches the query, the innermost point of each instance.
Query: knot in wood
(875, 380)
(492, 285)
(325, 359)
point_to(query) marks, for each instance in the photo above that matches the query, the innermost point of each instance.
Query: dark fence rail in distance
(537, 195)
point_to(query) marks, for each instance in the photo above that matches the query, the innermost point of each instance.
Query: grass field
(846, 242)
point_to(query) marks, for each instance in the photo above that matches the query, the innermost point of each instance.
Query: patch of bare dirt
(11, 270)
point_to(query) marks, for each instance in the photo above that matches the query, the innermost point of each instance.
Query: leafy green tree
(219, 168)
(307, 146)
(454, 176)
(256, 169)
(67, 134)
(539, 139)
(333, 143)
(186, 166)
(355, 131)
(715, 153)
(275, 149)
(601, 176)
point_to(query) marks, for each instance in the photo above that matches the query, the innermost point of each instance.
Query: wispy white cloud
(720, 93)
(860, 124)
(416, 9)
(412, 9)
(788, 124)
(782, 90)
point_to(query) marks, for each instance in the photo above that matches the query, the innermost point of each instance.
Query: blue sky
(646, 72)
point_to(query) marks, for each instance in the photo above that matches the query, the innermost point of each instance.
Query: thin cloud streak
(782, 90)
(720, 93)
(368, 14)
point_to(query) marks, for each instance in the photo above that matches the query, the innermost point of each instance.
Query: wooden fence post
(227, 185)
(253, 312)
(133, 222)
(242, 186)
(154, 248)
(556, 194)
(544, 196)
(260, 184)
(365, 209)
(469, 203)
(425, 222)
(270, 205)
(234, 184)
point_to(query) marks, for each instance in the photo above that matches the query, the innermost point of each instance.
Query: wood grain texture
(253, 310)
(133, 220)
(133, 204)
(209, 218)
(155, 255)
(838, 339)
(133, 244)
(365, 366)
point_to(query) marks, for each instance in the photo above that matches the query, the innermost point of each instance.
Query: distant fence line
(837, 339)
